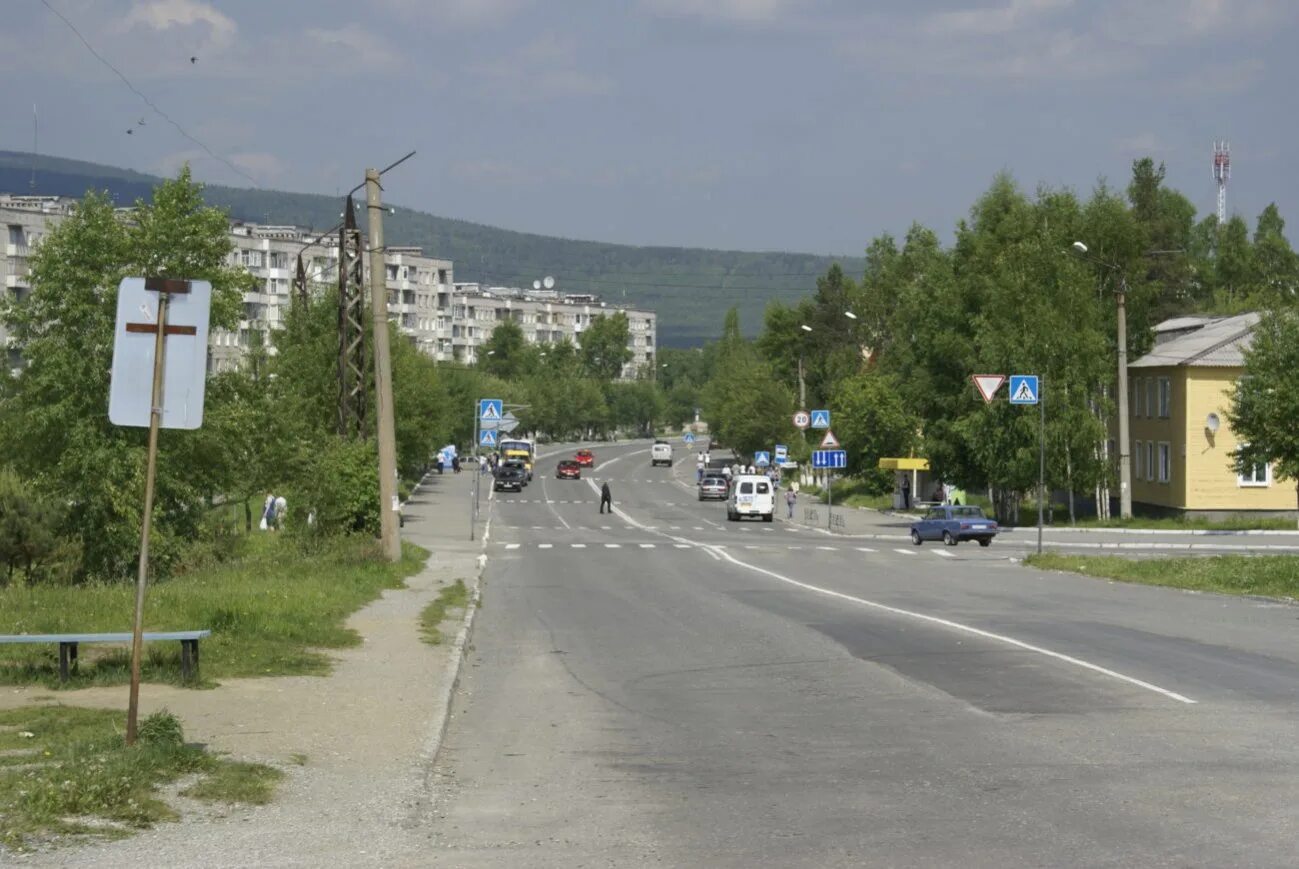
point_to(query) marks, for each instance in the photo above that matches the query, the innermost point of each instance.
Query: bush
(342, 487)
(27, 527)
(162, 730)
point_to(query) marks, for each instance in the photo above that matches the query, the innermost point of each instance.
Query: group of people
(273, 512)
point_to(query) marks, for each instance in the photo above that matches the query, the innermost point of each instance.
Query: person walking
(699, 468)
(791, 498)
(281, 511)
(906, 493)
(606, 498)
(268, 513)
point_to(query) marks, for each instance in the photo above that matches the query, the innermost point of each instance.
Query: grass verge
(1267, 575)
(1172, 523)
(68, 771)
(453, 597)
(271, 612)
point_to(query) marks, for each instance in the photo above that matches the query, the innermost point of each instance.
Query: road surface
(662, 687)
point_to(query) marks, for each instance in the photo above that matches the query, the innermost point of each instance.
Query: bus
(518, 448)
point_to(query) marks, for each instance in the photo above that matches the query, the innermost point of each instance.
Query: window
(746, 488)
(1257, 475)
(764, 489)
(1165, 397)
(1165, 461)
(1134, 400)
(1150, 397)
(1150, 460)
(1136, 460)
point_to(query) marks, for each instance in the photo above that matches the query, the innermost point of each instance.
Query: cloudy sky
(807, 125)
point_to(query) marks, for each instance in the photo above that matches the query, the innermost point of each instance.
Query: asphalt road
(662, 687)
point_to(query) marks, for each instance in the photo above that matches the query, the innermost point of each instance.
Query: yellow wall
(1201, 478)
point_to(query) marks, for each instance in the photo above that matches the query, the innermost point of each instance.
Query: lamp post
(1125, 456)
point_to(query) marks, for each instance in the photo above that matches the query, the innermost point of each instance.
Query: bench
(68, 646)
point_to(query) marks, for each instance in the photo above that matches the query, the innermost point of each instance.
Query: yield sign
(988, 384)
(829, 442)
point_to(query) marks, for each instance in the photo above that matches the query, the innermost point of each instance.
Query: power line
(503, 278)
(148, 102)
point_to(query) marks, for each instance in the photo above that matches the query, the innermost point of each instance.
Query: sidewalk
(369, 730)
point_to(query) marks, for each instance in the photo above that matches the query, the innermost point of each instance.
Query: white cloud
(546, 68)
(363, 48)
(458, 13)
(750, 11)
(190, 15)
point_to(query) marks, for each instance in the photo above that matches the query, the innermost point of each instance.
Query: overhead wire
(148, 102)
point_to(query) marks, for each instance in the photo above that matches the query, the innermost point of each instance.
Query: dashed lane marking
(613, 546)
(545, 546)
(578, 545)
(905, 551)
(942, 553)
(647, 546)
(511, 546)
(864, 549)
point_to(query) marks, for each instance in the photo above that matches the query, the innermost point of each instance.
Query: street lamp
(850, 315)
(1125, 456)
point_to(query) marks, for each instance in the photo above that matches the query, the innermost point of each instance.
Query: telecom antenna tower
(1222, 172)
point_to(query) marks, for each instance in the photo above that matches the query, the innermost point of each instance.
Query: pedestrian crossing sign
(1023, 389)
(689, 438)
(820, 419)
(487, 438)
(762, 458)
(490, 409)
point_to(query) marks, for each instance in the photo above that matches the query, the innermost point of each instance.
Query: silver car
(714, 486)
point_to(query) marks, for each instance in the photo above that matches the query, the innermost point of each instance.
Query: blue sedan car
(952, 523)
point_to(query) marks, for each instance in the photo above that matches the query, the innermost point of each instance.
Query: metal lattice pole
(351, 329)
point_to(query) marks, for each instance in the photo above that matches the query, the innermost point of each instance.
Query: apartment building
(471, 311)
(443, 319)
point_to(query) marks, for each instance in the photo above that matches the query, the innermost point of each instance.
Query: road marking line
(674, 527)
(699, 528)
(613, 546)
(905, 551)
(864, 549)
(647, 546)
(681, 545)
(545, 545)
(958, 626)
(828, 548)
(752, 546)
(578, 545)
(511, 546)
(942, 554)
(606, 527)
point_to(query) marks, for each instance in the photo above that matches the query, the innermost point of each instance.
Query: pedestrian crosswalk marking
(864, 549)
(942, 554)
(905, 551)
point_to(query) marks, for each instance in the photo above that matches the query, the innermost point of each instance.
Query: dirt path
(368, 731)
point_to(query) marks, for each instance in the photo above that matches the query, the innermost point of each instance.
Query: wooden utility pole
(382, 373)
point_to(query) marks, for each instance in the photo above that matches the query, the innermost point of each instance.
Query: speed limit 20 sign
(802, 419)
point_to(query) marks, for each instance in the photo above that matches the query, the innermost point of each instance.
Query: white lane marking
(905, 551)
(647, 546)
(511, 546)
(674, 527)
(699, 528)
(538, 527)
(828, 548)
(793, 547)
(752, 546)
(958, 626)
(606, 527)
(613, 546)
(864, 549)
(942, 553)
(545, 545)
(578, 545)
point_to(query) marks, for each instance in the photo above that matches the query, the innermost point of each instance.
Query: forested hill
(690, 288)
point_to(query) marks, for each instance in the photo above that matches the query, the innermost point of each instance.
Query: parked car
(953, 523)
(751, 495)
(585, 458)
(714, 486)
(510, 475)
(568, 469)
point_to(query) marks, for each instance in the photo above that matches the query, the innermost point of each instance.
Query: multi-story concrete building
(469, 314)
(445, 320)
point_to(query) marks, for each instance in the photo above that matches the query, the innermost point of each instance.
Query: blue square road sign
(820, 419)
(1023, 389)
(491, 409)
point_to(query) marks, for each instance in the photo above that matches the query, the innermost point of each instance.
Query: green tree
(28, 523)
(506, 354)
(53, 422)
(1264, 412)
(872, 423)
(604, 346)
(1276, 268)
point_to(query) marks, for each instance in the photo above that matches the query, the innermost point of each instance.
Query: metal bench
(68, 646)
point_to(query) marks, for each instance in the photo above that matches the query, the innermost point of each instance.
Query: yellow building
(1182, 444)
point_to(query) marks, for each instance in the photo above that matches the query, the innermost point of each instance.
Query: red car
(585, 458)
(568, 470)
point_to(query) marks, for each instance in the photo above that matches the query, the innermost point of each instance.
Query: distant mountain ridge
(689, 288)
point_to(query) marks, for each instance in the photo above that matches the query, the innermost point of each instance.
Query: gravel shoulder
(369, 731)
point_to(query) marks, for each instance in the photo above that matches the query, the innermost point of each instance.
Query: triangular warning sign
(988, 384)
(829, 442)
(1024, 393)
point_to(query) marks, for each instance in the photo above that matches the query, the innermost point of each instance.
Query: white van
(661, 453)
(751, 495)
